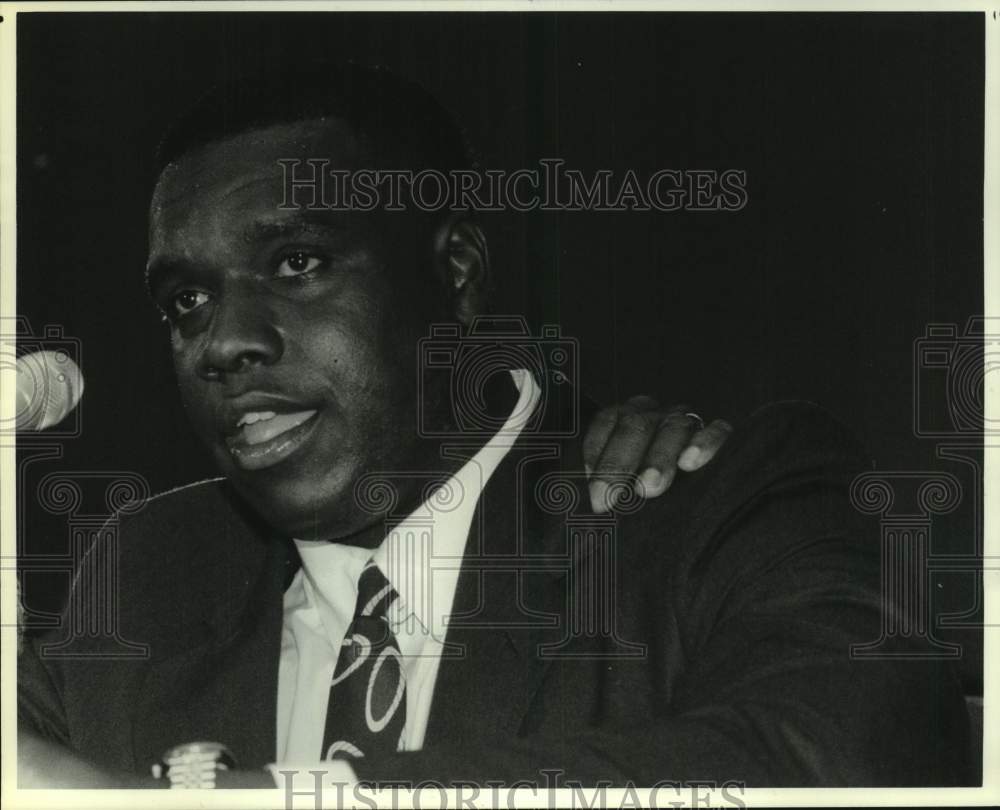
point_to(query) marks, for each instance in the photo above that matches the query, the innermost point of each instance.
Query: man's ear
(463, 264)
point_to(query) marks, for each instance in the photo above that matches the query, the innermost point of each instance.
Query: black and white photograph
(462, 405)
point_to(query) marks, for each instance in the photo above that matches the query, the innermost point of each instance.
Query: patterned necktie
(367, 708)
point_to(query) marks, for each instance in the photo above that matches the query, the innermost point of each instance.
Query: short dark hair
(395, 117)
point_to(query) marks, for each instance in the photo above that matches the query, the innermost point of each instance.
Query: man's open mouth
(263, 438)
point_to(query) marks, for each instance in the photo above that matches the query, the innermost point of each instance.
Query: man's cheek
(194, 401)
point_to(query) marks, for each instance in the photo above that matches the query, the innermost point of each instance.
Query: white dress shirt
(421, 557)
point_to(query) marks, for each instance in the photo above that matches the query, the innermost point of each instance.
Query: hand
(641, 435)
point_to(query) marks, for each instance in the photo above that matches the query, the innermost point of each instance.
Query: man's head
(295, 331)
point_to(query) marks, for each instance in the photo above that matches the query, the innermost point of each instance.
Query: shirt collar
(422, 555)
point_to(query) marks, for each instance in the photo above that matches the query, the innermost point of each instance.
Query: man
(502, 622)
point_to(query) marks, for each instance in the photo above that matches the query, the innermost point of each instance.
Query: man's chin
(333, 530)
(303, 513)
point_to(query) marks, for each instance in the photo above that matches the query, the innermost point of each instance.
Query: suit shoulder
(783, 438)
(771, 512)
(804, 423)
(188, 509)
(789, 452)
(187, 529)
(197, 492)
(190, 546)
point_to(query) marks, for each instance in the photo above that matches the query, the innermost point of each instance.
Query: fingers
(598, 433)
(659, 466)
(603, 426)
(642, 437)
(704, 445)
(617, 444)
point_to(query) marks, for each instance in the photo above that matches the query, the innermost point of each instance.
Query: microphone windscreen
(49, 386)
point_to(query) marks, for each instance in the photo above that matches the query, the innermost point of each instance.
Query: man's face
(294, 331)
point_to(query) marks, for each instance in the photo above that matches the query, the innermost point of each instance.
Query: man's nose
(242, 335)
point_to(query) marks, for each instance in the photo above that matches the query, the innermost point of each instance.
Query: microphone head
(49, 386)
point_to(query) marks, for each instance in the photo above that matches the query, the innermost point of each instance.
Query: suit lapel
(510, 599)
(217, 680)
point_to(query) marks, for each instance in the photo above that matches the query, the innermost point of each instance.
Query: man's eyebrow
(266, 230)
(256, 232)
(158, 270)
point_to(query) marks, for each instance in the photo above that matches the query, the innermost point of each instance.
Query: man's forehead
(250, 161)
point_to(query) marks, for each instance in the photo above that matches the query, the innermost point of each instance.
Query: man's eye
(187, 300)
(298, 263)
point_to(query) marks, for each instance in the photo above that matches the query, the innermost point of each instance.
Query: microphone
(49, 386)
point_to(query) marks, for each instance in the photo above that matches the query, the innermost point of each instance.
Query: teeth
(274, 425)
(254, 417)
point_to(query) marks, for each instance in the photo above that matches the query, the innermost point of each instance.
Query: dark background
(861, 136)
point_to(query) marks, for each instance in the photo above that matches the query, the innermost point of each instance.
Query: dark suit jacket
(719, 651)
